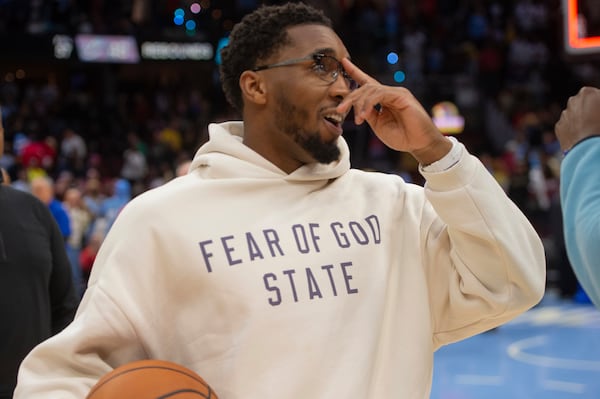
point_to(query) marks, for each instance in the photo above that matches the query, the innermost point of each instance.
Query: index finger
(356, 73)
(359, 77)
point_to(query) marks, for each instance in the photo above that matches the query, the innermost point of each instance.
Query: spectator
(73, 151)
(43, 189)
(37, 295)
(112, 206)
(81, 220)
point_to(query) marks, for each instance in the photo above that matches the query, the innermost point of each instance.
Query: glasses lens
(325, 67)
(329, 69)
(328, 66)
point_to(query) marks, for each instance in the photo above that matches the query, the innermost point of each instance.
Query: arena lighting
(63, 46)
(576, 38)
(447, 118)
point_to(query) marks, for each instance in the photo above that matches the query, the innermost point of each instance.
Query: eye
(320, 66)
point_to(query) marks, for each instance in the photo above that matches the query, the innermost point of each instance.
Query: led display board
(581, 26)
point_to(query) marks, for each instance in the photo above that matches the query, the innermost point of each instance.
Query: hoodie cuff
(448, 161)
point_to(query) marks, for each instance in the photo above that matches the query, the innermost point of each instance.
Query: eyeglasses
(326, 67)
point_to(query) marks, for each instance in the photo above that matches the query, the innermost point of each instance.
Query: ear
(253, 87)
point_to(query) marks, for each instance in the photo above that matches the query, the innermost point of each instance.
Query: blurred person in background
(81, 220)
(93, 197)
(578, 131)
(113, 205)
(88, 254)
(73, 152)
(37, 294)
(4, 177)
(43, 188)
(183, 168)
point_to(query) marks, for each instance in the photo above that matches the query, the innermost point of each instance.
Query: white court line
(517, 349)
(563, 386)
(474, 379)
(560, 316)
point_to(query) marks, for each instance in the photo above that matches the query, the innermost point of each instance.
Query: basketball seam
(170, 394)
(96, 388)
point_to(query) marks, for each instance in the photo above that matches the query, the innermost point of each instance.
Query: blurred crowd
(96, 142)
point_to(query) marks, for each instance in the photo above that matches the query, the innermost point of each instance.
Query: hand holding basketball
(151, 379)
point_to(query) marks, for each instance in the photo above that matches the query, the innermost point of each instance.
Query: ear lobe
(253, 87)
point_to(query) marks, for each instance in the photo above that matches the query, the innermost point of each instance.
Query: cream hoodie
(325, 283)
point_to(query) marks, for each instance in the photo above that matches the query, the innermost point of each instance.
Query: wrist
(565, 152)
(435, 151)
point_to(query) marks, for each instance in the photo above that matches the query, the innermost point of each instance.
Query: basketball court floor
(550, 352)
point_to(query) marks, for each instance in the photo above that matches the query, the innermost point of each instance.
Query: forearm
(494, 259)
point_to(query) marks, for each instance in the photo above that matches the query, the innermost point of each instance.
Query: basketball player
(275, 270)
(578, 132)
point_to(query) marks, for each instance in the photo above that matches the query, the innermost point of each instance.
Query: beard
(290, 119)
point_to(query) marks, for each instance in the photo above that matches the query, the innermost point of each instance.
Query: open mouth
(335, 120)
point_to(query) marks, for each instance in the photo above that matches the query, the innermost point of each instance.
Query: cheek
(292, 111)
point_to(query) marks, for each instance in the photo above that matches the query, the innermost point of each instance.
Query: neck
(269, 143)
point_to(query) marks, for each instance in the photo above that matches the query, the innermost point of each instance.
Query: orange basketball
(151, 379)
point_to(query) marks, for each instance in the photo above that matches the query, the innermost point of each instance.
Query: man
(578, 132)
(273, 269)
(43, 188)
(37, 296)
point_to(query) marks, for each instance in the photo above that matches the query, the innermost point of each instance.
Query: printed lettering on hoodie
(295, 283)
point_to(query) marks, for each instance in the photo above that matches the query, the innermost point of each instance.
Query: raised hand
(580, 119)
(395, 116)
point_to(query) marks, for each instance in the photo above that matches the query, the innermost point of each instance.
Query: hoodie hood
(225, 156)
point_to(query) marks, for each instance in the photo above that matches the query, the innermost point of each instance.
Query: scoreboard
(581, 26)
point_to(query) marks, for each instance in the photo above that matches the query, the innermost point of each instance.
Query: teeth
(334, 117)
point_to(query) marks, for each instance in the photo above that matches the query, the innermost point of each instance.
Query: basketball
(151, 379)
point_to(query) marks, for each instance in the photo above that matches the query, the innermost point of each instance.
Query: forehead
(306, 39)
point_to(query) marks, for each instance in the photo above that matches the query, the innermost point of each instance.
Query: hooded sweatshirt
(328, 282)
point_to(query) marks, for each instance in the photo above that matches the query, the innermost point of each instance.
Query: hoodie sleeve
(580, 198)
(485, 262)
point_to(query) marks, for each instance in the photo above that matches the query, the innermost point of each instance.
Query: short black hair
(257, 36)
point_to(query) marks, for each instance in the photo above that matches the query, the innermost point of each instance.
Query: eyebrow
(328, 51)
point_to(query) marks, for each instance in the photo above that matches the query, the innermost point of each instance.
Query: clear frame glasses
(326, 67)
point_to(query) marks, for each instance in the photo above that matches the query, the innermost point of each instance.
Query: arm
(484, 261)
(580, 198)
(578, 131)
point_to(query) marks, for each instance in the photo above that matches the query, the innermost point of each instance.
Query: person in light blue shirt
(578, 132)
